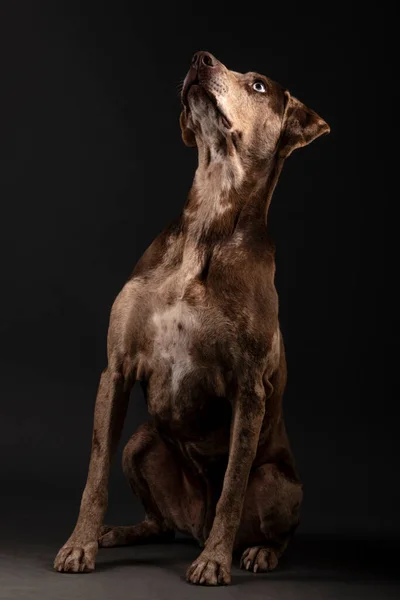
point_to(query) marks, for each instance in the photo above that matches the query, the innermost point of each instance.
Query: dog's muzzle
(201, 69)
(204, 71)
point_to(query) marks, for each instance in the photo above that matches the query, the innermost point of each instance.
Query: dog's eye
(259, 87)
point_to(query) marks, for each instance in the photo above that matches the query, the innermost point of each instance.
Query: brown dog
(197, 325)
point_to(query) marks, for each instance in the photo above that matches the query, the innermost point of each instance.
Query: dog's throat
(213, 198)
(225, 199)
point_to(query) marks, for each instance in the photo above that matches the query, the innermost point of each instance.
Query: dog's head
(256, 114)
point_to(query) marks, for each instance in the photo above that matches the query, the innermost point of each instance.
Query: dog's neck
(227, 195)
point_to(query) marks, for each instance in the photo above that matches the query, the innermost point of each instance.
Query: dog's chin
(197, 95)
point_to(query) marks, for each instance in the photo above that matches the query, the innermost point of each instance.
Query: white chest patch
(174, 327)
(274, 353)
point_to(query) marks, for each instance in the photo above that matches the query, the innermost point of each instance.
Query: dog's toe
(259, 559)
(105, 529)
(208, 572)
(76, 558)
(108, 536)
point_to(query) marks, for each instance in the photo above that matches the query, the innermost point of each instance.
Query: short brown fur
(197, 325)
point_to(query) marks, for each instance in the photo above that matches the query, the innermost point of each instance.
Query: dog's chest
(194, 329)
(175, 330)
(183, 329)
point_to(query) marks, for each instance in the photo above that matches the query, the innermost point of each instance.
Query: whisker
(180, 87)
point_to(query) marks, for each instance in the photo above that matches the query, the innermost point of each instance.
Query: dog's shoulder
(165, 245)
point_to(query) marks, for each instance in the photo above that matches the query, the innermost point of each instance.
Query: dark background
(93, 167)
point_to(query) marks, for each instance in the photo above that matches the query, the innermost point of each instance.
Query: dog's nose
(203, 59)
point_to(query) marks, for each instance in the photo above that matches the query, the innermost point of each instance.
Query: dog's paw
(206, 571)
(259, 559)
(111, 536)
(76, 558)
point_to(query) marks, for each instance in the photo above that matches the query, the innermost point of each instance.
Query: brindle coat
(197, 325)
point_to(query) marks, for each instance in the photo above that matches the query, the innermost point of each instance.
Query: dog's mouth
(194, 85)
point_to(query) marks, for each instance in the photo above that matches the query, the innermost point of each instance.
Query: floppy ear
(187, 134)
(300, 127)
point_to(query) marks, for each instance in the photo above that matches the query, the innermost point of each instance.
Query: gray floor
(312, 569)
(35, 520)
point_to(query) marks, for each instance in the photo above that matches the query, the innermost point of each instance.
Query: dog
(197, 324)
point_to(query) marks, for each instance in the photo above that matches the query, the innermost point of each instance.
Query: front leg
(79, 553)
(213, 565)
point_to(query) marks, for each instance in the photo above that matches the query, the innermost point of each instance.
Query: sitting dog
(197, 324)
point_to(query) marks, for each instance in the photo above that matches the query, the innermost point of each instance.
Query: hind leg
(129, 535)
(269, 518)
(173, 498)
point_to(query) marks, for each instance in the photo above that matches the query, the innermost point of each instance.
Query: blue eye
(258, 86)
